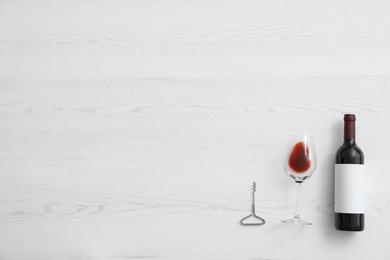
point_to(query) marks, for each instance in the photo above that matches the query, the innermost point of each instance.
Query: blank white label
(349, 188)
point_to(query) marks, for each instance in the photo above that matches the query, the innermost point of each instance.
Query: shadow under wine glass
(300, 163)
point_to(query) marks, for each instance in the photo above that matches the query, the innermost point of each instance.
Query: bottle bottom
(349, 222)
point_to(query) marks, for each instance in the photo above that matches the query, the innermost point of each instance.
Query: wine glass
(300, 163)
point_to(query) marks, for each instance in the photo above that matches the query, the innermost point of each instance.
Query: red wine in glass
(300, 165)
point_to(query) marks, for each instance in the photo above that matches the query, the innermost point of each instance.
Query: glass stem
(298, 196)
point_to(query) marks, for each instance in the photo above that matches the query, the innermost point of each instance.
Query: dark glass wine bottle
(349, 181)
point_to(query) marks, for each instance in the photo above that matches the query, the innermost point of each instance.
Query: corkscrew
(259, 220)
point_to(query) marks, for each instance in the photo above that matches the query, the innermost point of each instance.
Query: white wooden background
(134, 129)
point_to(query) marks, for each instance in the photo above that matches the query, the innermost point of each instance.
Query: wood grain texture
(134, 129)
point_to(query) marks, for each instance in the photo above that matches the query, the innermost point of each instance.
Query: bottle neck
(349, 142)
(349, 132)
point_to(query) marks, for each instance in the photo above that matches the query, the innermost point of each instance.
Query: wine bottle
(349, 181)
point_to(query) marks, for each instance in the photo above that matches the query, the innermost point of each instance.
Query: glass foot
(297, 221)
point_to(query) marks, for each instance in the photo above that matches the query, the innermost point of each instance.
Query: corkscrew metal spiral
(259, 220)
